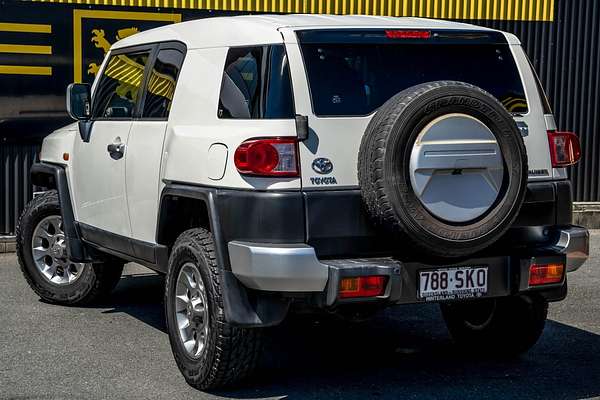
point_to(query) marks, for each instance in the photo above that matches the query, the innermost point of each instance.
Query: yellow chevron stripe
(25, 49)
(28, 28)
(25, 70)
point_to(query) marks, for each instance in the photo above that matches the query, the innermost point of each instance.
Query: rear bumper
(574, 242)
(277, 267)
(295, 268)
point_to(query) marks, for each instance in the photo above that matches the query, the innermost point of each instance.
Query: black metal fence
(20, 143)
(15, 185)
(566, 54)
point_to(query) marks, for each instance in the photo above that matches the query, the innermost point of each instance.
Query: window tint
(161, 84)
(119, 86)
(355, 78)
(256, 84)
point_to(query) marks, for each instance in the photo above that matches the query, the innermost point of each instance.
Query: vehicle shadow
(404, 352)
(140, 296)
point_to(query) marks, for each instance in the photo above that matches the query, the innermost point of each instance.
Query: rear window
(352, 73)
(256, 84)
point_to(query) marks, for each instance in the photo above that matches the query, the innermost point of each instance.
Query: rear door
(341, 77)
(146, 140)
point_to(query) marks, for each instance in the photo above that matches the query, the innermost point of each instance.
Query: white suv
(337, 163)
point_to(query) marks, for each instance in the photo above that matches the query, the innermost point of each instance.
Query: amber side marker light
(66, 156)
(362, 286)
(544, 274)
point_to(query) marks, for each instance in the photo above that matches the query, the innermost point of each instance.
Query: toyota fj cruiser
(339, 163)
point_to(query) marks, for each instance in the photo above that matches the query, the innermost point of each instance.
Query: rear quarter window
(256, 84)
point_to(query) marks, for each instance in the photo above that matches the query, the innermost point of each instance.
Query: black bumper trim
(337, 224)
(333, 222)
(507, 276)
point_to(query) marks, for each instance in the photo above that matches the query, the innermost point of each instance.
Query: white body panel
(58, 143)
(249, 30)
(98, 181)
(538, 148)
(195, 127)
(142, 177)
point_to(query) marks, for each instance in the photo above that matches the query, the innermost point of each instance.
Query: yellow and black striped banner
(15, 50)
(511, 10)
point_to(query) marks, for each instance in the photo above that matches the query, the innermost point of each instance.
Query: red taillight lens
(565, 149)
(544, 274)
(362, 286)
(408, 34)
(267, 157)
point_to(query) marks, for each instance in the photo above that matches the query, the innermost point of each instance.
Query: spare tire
(444, 165)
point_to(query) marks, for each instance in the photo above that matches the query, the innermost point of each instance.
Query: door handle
(116, 150)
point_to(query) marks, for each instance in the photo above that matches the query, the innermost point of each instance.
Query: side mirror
(79, 107)
(78, 101)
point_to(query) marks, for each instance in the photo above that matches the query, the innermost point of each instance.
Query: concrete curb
(587, 214)
(8, 244)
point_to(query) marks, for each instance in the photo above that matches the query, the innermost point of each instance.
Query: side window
(119, 86)
(256, 84)
(161, 84)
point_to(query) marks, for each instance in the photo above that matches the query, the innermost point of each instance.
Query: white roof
(247, 30)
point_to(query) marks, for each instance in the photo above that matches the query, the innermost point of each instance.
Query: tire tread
(236, 350)
(105, 275)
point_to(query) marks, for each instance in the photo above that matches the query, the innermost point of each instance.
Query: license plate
(453, 283)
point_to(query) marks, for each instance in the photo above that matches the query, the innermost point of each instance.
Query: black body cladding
(54, 177)
(335, 223)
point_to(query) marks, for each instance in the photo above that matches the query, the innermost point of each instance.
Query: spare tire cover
(443, 164)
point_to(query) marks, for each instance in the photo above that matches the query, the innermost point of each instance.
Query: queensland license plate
(453, 283)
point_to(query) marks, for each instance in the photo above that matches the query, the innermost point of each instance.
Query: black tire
(504, 327)
(95, 281)
(384, 176)
(230, 353)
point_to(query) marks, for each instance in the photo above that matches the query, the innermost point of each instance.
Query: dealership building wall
(45, 45)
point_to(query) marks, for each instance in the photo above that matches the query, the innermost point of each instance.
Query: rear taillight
(268, 157)
(565, 149)
(404, 34)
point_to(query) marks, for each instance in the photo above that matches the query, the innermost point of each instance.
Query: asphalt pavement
(119, 349)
